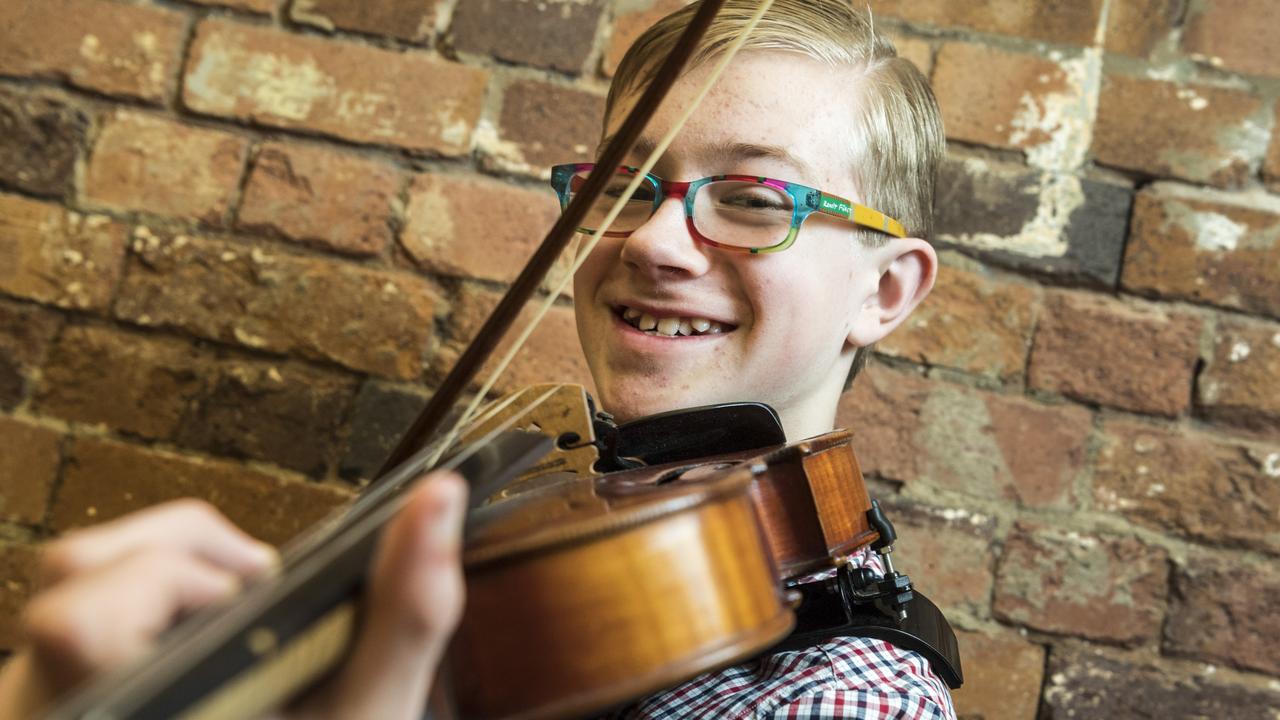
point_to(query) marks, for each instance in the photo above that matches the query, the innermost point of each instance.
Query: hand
(110, 590)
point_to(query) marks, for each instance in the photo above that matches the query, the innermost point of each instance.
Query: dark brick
(381, 416)
(19, 575)
(1085, 683)
(1238, 387)
(1190, 484)
(1223, 610)
(370, 320)
(409, 20)
(105, 479)
(286, 413)
(1205, 246)
(1002, 677)
(1200, 133)
(556, 34)
(57, 256)
(40, 139)
(971, 322)
(30, 456)
(1101, 587)
(989, 211)
(1136, 27)
(1238, 35)
(1122, 354)
(543, 124)
(128, 382)
(25, 334)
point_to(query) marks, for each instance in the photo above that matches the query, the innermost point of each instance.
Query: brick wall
(240, 240)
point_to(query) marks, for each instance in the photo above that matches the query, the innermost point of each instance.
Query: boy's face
(792, 319)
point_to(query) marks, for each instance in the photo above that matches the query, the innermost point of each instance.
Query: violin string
(612, 215)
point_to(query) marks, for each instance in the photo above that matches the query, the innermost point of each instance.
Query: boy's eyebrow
(730, 152)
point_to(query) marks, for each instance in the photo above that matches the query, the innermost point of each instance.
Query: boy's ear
(908, 267)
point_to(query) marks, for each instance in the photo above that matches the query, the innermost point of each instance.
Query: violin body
(585, 592)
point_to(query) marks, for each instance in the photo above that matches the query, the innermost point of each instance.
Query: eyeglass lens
(729, 212)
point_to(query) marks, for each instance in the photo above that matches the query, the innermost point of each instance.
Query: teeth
(672, 326)
(668, 326)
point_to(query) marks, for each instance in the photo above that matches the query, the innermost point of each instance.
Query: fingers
(414, 602)
(105, 617)
(186, 526)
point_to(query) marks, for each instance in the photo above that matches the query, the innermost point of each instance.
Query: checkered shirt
(846, 677)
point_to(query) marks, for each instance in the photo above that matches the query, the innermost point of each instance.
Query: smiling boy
(707, 292)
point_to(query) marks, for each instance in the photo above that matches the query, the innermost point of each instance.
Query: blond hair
(898, 138)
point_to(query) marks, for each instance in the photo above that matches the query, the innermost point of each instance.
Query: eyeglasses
(746, 213)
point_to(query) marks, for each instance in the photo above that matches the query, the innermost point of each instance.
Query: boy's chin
(629, 403)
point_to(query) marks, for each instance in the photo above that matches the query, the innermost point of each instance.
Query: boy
(672, 313)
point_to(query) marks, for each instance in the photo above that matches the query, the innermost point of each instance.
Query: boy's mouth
(670, 326)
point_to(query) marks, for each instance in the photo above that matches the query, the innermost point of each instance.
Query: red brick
(19, 573)
(143, 162)
(1185, 483)
(1193, 132)
(629, 23)
(111, 47)
(884, 410)
(1122, 354)
(409, 20)
(265, 7)
(1004, 99)
(1222, 610)
(350, 91)
(321, 197)
(57, 256)
(542, 124)
(475, 226)
(1136, 27)
(1237, 35)
(1103, 587)
(947, 553)
(1002, 676)
(552, 354)
(1086, 683)
(26, 332)
(919, 52)
(1238, 386)
(129, 382)
(105, 479)
(370, 320)
(29, 459)
(940, 437)
(40, 140)
(970, 322)
(552, 35)
(1205, 246)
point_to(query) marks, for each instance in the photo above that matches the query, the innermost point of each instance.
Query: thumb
(413, 604)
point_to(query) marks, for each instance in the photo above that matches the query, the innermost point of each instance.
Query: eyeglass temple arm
(862, 215)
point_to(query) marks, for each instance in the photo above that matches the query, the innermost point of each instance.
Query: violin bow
(432, 418)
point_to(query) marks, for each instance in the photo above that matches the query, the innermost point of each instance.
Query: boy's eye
(755, 200)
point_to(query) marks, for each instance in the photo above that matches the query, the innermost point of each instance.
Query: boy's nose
(663, 245)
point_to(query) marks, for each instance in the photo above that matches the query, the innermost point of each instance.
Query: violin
(585, 589)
